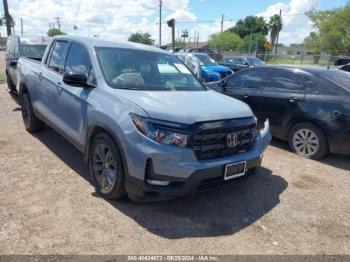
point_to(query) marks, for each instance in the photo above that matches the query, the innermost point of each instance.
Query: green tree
(225, 40)
(333, 28)
(275, 27)
(250, 24)
(180, 43)
(256, 42)
(142, 38)
(10, 21)
(312, 44)
(55, 31)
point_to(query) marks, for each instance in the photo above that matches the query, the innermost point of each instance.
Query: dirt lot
(292, 205)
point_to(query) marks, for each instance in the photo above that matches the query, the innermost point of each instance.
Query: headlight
(158, 133)
(265, 130)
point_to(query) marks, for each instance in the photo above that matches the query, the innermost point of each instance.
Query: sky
(117, 19)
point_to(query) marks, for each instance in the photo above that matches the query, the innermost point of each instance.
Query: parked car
(308, 107)
(32, 47)
(239, 63)
(147, 127)
(345, 67)
(342, 61)
(204, 67)
(213, 53)
(2, 47)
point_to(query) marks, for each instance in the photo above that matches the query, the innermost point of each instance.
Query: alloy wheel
(306, 142)
(104, 168)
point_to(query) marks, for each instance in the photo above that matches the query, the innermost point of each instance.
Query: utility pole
(197, 38)
(278, 35)
(7, 18)
(171, 23)
(58, 23)
(160, 22)
(222, 23)
(21, 26)
(250, 38)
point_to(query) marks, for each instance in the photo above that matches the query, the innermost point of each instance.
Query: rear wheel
(10, 85)
(308, 140)
(31, 122)
(106, 167)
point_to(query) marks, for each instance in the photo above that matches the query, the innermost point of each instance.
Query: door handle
(40, 76)
(292, 100)
(337, 114)
(245, 96)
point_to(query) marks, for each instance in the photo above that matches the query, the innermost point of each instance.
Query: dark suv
(309, 107)
(32, 47)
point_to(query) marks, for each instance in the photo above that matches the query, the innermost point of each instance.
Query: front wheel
(106, 167)
(308, 140)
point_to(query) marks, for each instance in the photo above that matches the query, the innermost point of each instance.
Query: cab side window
(78, 62)
(56, 61)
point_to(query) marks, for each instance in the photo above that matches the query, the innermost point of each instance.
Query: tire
(10, 85)
(308, 140)
(31, 122)
(251, 171)
(106, 167)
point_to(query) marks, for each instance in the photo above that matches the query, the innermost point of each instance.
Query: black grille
(209, 144)
(225, 74)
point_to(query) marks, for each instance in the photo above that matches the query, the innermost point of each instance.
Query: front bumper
(188, 175)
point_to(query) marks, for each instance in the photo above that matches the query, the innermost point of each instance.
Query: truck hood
(187, 107)
(218, 68)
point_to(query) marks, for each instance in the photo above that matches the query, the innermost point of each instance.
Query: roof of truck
(97, 42)
(32, 39)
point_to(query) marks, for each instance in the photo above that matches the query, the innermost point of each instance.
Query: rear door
(48, 79)
(281, 98)
(246, 86)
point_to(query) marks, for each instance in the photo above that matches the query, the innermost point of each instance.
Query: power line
(219, 21)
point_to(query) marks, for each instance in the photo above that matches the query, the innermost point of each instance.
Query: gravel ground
(47, 206)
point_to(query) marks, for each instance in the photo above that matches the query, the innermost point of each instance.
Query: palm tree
(10, 21)
(275, 27)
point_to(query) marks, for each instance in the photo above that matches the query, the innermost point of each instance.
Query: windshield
(33, 51)
(206, 60)
(341, 78)
(144, 70)
(255, 61)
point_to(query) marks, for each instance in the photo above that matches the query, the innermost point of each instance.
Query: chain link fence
(298, 59)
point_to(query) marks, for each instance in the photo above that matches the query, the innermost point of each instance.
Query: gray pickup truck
(147, 127)
(32, 47)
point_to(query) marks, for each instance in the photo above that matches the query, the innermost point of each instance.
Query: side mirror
(13, 63)
(79, 80)
(223, 83)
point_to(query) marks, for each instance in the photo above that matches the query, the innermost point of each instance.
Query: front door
(246, 86)
(72, 100)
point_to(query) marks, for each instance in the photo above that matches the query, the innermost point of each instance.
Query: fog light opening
(157, 182)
